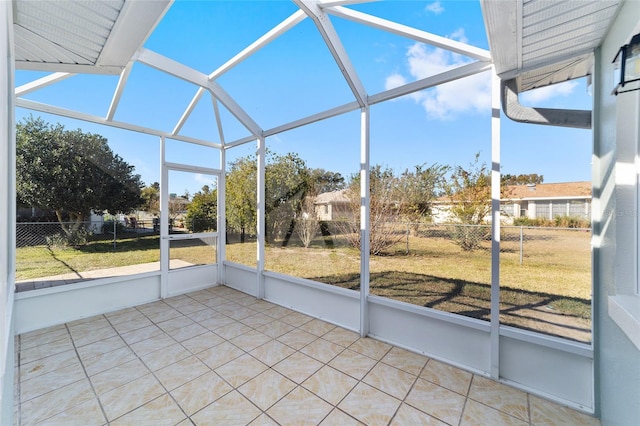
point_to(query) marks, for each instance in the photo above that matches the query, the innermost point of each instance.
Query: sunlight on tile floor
(221, 357)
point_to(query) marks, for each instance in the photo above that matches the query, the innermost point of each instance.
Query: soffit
(82, 36)
(542, 42)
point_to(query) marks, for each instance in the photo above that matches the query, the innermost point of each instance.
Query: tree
(418, 189)
(241, 195)
(151, 198)
(202, 212)
(469, 191)
(322, 181)
(384, 211)
(522, 179)
(72, 173)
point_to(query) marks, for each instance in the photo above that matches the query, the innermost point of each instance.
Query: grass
(549, 292)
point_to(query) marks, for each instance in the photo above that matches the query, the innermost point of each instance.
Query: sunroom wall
(615, 212)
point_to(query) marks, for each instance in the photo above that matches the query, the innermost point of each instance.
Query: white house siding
(615, 228)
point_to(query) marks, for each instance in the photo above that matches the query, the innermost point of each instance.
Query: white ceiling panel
(58, 35)
(550, 41)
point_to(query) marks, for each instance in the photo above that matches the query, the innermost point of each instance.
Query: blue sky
(295, 76)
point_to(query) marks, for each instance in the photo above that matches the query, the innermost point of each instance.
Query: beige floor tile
(160, 411)
(369, 405)
(240, 370)
(330, 384)
(477, 414)
(88, 324)
(164, 357)
(141, 334)
(85, 413)
(231, 409)
(396, 383)
(190, 308)
(216, 322)
(91, 336)
(130, 396)
(136, 322)
(181, 372)
(341, 336)
(152, 344)
(407, 415)
(405, 360)
(48, 382)
(544, 412)
(263, 420)
(266, 389)
(30, 340)
(297, 367)
(297, 338)
(219, 355)
(118, 376)
(296, 319)
(353, 364)
(46, 349)
(436, 401)
(278, 312)
(257, 320)
(108, 360)
(370, 347)
(317, 327)
(47, 365)
(125, 315)
(232, 330)
(55, 402)
(275, 329)
(322, 350)
(447, 376)
(339, 418)
(163, 314)
(239, 313)
(202, 342)
(43, 331)
(100, 347)
(187, 332)
(175, 323)
(501, 397)
(262, 306)
(203, 314)
(250, 340)
(272, 352)
(300, 407)
(200, 392)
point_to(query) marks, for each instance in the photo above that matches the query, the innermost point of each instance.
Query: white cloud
(536, 96)
(435, 8)
(393, 81)
(445, 102)
(205, 179)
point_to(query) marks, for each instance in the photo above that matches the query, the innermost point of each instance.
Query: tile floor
(221, 357)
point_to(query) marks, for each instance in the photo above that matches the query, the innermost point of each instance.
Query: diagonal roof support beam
(415, 34)
(41, 82)
(321, 19)
(122, 82)
(169, 66)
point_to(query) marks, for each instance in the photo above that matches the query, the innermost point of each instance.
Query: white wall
(7, 213)
(615, 219)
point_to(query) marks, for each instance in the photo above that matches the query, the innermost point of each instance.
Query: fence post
(408, 230)
(114, 232)
(521, 243)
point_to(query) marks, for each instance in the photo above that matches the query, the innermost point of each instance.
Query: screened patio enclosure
(113, 42)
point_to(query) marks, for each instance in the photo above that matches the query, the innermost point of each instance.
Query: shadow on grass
(553, 314)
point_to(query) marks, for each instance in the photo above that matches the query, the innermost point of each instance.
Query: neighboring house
(543, 200)
(332, 205)
(548, 200)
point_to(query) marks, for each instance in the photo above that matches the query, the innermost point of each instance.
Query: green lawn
(549, 292)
